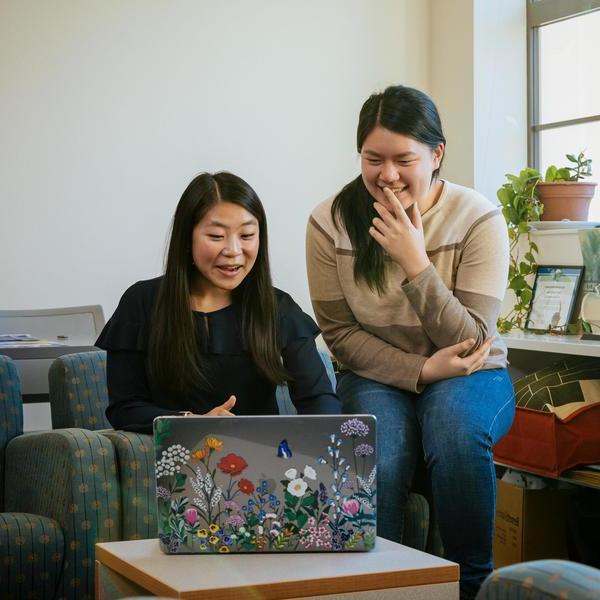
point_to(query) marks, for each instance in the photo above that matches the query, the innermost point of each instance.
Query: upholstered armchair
(79, 397)
(542, 580)
(58, 491)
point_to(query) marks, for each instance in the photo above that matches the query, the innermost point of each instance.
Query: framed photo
(554, 294)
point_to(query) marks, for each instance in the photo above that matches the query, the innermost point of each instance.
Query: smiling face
(400, 163)
(225, 245)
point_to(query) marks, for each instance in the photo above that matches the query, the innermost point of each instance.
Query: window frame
(539, 13)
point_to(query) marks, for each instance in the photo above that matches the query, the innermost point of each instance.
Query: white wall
(452, 84)
(500, 105)
(108, 109)
(479, 82)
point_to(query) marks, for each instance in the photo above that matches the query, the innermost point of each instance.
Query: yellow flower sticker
(214, 443)
(202, 534)
(213, 539)
(214, 528)
(223, 549)
(200, 454)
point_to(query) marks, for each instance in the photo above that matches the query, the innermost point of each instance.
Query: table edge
(268, 591)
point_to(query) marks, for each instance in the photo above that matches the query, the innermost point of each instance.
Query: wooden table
(389, 572)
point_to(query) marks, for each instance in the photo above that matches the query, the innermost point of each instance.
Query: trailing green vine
(520, 205)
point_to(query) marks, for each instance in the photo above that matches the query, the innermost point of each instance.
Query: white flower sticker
(310, 472)
(291, 473)
(297, 487)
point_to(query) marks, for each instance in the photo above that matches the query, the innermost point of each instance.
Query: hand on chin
(404, 198)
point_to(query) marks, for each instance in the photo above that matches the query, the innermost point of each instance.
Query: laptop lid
(266, 483)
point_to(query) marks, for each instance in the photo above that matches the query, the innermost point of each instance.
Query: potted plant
(562, 192)
(521, 204)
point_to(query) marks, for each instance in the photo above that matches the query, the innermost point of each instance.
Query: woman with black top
(212, 336)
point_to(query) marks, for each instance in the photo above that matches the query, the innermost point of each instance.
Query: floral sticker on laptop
(229, 512)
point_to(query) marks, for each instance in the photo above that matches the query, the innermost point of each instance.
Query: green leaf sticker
(302, 518)
(290, 515)
(308, 501)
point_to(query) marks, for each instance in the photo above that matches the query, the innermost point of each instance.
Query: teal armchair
(26, 539)
(79, 397)
(58, 491)
(542, 580)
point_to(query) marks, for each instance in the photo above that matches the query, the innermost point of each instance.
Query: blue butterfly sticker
(283, 451)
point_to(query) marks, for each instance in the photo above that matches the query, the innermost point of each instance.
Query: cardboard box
(530, 524)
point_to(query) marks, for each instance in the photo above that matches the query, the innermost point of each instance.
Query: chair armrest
(542, 579)
(32, 549)
(68, 475)
(137, 483)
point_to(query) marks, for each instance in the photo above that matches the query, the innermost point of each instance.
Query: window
(564, 84)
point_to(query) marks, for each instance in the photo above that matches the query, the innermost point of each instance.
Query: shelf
(584, 475)
(559, 344)
(560, 227)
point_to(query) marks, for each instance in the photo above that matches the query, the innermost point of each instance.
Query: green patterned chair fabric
(416, 522)
(32, 550)
(61, 496)
(11, 411)
(78, 398)
(31, 546)
(70, 476)
(542, 580)
(137, 483)
(78, 394)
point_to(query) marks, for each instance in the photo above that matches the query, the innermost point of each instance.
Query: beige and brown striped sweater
(387, 338)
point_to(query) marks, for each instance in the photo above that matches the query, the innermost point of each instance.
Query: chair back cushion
(78, 391)
(11, 411)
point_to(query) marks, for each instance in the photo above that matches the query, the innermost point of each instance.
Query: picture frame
(555, 291)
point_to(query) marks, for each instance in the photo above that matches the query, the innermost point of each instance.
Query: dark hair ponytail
(174, 358)
(402, 110)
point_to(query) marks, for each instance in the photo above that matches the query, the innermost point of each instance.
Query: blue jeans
(454, 423)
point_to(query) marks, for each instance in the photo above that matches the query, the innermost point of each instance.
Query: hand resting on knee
(451, 362)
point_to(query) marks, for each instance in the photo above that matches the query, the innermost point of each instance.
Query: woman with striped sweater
(407, 273)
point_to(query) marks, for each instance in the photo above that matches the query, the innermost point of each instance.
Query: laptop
(266, 483)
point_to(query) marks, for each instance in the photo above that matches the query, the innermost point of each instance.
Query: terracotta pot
(566, 200)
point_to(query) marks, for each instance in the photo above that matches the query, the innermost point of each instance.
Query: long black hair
(399, 109)
(174, 357)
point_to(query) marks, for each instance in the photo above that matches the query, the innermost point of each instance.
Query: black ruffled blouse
(135, 398)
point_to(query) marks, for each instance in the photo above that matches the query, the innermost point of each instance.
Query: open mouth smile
(229, 270)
